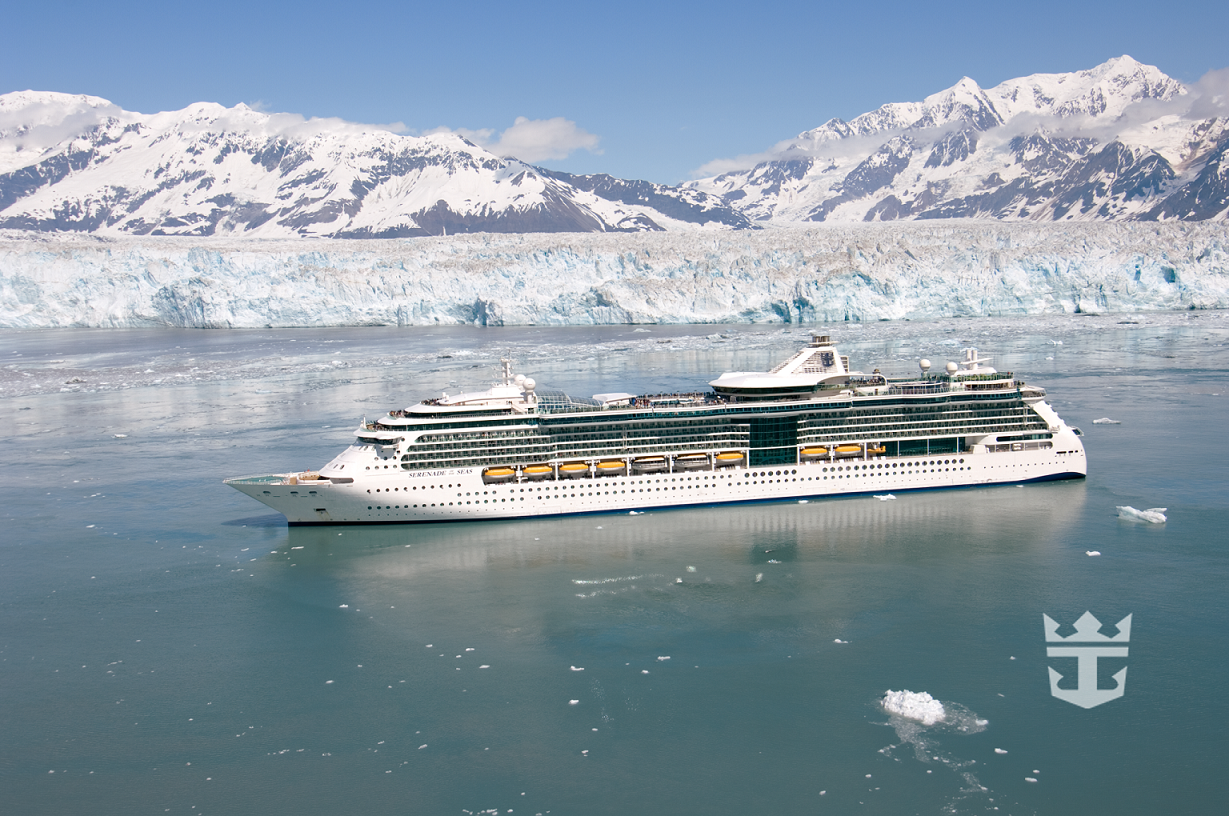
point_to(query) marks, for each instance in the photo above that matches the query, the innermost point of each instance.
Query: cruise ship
(809, 428)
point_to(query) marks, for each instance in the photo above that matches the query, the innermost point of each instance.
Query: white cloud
(532, 140)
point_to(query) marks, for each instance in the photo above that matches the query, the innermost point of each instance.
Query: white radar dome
(529, 384)
(952, 368)
(925, 364)
(519, 380)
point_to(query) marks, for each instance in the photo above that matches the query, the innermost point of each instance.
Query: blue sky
(637, 89)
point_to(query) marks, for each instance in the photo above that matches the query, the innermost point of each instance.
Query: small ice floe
(578, 668)
(999, 751)
(1106, 421)
(759, 576)
(1153, 515)
(644, 671)
(886, 497)
(344, 606)
(484, 666)
(88, 526)
(678, 580)
(597, 528)
(1029, 779)
(691, 569)
(663, 657)
(773, 561)
(1092, 552)
(911, 705)
(119, 436)
(424, 745)
(838, 640)
(802, 501)
(469, 648)
(636, 513)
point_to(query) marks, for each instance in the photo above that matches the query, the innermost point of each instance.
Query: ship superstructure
(810, 427)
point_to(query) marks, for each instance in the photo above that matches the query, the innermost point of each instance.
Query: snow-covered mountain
(1119, 141)
(81, 164)
(857, 272)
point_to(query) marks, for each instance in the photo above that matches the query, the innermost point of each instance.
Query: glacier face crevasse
(825, 273)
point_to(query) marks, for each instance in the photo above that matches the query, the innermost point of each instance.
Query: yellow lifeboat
(879, 451)
(613, 467)
(811, 454)
(498, 475)
(536, 473)
(845, 451)
(730, 459)
(574, 470)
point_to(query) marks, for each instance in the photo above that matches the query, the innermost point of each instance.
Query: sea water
(169, 646)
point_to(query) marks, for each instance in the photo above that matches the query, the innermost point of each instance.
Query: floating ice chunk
(838, 640)
(469, 648)
(1092, 552)
(802, 501)
(759, 576)
(885, 497)
(663, 657)
(88, 526)
(344, 606)
(1153, 515)
(773, 561)
(597, 528)
(424, 745)
(1106, 421)
(678, 580)
(573, 702)
(644, 671)
(1029, 779)
(635, 513)
(485, 666)
(691, 569)
(999, 751)
(119, 436)
(911, 705)
(328, 682)
(574, 668)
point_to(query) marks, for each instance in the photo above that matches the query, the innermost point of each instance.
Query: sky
(649, 90)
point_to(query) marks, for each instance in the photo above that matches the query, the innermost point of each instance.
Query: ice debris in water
(759, 576)
(1154, 515)
(911, 705)
(802, 501)
(1092, 552)
(582, 668)
(838, 640)
(663, 657)
(691, 569)
(120, 436)
(573, 702)
(999, 751)
(886, 497)
(1106, 421)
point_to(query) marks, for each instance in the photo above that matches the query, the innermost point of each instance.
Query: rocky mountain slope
(1119, 141)
(81, 164)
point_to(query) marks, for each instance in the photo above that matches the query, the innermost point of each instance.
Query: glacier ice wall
(826, 273)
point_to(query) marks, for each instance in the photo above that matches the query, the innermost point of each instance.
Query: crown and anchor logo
(1088, 631)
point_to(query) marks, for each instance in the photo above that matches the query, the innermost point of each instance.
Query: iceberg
(1106, 421)
(1153, 515)
(911, 705)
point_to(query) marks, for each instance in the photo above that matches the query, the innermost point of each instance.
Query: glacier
(864, 272)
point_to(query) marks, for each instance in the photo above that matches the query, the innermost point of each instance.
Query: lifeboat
(730, 459)
(649, 464)
(691, 461)
(536, 473)
(611, 468)
(813, 454)
(574, 470)
(879, 451)
(846, 451)
(498, 475)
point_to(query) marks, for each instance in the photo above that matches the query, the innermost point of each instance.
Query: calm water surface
(168, 646)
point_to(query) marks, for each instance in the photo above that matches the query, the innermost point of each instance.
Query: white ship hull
(399, 497)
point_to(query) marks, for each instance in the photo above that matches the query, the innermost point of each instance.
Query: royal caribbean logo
(1093, 645)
